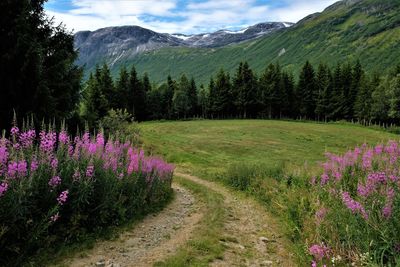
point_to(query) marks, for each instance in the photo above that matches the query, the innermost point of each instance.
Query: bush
(358, 206)
(121, 124)
(56, 191)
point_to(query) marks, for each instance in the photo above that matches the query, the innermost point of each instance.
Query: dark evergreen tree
(203, 101)
(221, 95)
(324, 90)
(271, 91)
(193, 99)
(288, 101)
(107, 88)
(38, 74)
(306, 91)
(245, 91)
(181, 98)
(137, 97)
(122, 89)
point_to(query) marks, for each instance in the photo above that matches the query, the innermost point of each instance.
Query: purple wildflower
(55, 217)
(90, 171)
(319, 252)
(55, 181)
(353, 205)
(62, 198)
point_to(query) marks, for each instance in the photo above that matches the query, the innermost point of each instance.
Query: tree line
(322, 93)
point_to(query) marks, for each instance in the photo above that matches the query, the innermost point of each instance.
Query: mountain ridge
(365, 30)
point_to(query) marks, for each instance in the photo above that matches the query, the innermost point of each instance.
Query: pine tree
(222, 99)
(203, 101)
(362, 106)
(211, 98)
(181, 98)
(96, 105)
(245, 93)
(306, 91)
(122, 89)
(271, 91)
(137, 97)
(106, 85)
(167, 97)
(38, 74)
(324, 88)
(193, 98)
(288, 101)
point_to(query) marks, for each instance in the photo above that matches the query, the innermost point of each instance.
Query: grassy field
(271, 161)
(206, 148)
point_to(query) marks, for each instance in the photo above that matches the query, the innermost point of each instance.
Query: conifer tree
(222, 95)
(137, 97)
(324, 88)
(306, 91)
(203, 101)
(181, 98)
(193, 98)
(122, 89)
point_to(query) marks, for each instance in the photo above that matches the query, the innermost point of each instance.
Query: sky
(179, 16)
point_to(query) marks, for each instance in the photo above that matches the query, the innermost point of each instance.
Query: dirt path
(250, 233)
(152, 240)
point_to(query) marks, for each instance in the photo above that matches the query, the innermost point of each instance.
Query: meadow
(292, 169)
(207, 147)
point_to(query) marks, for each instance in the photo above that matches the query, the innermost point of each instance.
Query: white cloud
(171, 17)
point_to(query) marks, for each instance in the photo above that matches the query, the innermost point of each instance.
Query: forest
(321, 93)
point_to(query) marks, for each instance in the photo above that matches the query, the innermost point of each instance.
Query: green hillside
(368, 30)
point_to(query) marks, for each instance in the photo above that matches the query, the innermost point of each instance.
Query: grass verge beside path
(204, 247)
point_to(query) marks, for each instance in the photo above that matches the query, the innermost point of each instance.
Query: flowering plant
(54, 187)
(358, 208)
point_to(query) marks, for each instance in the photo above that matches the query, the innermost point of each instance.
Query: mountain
(226, 37)
(365, 30)
(116, 44)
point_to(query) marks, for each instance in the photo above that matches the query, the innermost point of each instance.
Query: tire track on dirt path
(252, 237)
(153, 239)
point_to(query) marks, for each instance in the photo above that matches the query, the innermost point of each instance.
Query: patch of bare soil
(153, 239)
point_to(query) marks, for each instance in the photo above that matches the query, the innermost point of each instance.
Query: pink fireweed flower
(90, 171)
(3, 188)
(34, 165)
(388, 208)
(14, 131)
(324, 179)
(62, 198)
(47, 141)
(26, 138)
(54, 163)
(319, 252)
(100, 140)
(55, 217)
(367, 159)
(12, 169)
(63, 137)
(22, 168)
(55, 181)
(314, 264)
(353, 205)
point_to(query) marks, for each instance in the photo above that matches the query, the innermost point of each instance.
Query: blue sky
(179, 16)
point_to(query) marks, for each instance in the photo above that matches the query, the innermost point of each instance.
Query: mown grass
(204, 247)
(207, 148)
